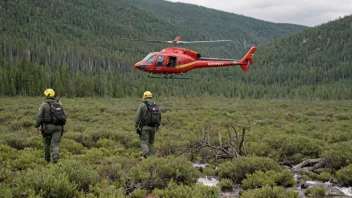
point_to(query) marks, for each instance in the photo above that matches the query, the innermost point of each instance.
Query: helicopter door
(160, 61)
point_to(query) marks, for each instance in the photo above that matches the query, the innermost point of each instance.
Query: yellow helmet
(147, 94)
(49, 92)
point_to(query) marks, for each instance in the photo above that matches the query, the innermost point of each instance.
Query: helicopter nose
(140, 66)
(136, 66)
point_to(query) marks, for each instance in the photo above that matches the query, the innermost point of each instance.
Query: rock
(208, 181)
(346, 190)
(308, 184)
(200, 166)
(334, 191)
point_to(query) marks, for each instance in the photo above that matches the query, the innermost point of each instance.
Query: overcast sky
(302, 12)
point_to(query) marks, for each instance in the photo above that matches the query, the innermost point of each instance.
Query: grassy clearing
(100, 137)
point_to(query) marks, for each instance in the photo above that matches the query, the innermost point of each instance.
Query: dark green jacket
(142, 109)
(44, 114)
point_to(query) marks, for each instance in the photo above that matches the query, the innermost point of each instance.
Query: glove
(139, 131)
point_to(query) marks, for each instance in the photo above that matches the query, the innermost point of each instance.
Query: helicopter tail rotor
(247, 60)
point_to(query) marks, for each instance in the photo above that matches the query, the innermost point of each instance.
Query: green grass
(100, 137)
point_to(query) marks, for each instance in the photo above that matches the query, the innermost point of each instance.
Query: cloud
(303, 12)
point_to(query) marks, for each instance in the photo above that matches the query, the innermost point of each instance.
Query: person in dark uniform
(146, 132)
(51, 132)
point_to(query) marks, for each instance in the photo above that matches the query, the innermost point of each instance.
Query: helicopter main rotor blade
(186, 42)
(149, 41)
(177, 41)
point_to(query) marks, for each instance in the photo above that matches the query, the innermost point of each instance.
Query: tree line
(47, 46)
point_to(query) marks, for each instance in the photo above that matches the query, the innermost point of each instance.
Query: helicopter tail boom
(247, 59)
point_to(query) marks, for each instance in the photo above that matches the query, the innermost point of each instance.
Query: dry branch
(231, 148)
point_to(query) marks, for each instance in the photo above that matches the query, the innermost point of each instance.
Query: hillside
(318, 59)
(71, 46)
(215, 24)
(79, 28)
(90, 27)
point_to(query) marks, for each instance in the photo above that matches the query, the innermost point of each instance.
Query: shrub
(126, 162)
(28, 158)
(7, 153)
(324, 176)
(21, 140)
(124, 138)
(16, 142)
(15, 126)
(267, 191)
(82, 175)
(83, 138)
(207, 171)
(72, 146)
(44, 182)
(115, 148)
(258, 149)
(5, 173)
(294, 147)
(284, 178)
(26, 123)
(182, 191)
(97, 155)
(269, 178)
(5, 192)
(343, 116)
(138, 193)
(127, 139)
(344, 175)
(79, 128)
(258, 180)
(338, 155)
(107, 143)
(35, 141)
(111, 170)
(225, 184)
(236, 170)
(156, 172)
(105, 190)
(315, 191)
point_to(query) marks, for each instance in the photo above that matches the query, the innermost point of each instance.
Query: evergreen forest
(73, 47)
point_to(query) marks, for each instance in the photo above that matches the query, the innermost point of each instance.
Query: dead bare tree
(223, 148)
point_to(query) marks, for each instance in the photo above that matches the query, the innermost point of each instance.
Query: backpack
(152, 116)
(58, 116)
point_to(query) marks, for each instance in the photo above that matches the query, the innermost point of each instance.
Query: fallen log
(310, 165)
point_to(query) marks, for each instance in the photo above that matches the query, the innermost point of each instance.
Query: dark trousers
(147, 141)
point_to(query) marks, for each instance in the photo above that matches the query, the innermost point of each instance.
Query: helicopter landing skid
(167, 77)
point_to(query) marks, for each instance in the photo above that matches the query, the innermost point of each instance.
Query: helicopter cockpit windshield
(149, 58)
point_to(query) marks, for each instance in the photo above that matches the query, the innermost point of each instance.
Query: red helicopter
(173, 61)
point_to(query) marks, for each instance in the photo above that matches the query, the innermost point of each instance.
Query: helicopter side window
(179, 61)
(160, 61)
